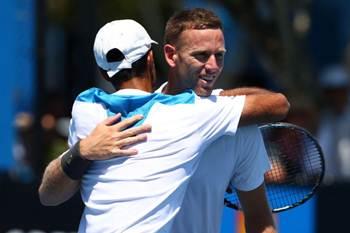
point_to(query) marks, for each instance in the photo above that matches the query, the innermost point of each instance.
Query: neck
(140, 83)
(174, 86)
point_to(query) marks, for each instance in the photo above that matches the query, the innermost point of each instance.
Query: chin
(203, 92)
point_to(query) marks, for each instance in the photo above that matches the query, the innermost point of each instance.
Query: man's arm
(244, 91)
(107, 140)
(56, 187)
(261, 106)
(257, 213)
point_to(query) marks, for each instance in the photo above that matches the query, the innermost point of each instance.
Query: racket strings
(297, 168)
(302, 167)
(302, 162)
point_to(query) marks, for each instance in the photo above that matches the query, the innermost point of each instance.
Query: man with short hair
(194, 50)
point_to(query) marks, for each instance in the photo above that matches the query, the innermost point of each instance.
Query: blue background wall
(17, 65)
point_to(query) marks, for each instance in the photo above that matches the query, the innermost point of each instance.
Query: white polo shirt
(143, 193)
(243, 163)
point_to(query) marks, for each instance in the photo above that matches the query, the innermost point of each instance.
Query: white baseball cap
(126, 35)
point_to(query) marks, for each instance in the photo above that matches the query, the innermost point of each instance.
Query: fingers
(135, 131)
(128, 122)
(112, 120)
(110, 139)
(127, 152)
(132, 140)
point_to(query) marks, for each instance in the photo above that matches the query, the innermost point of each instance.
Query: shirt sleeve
(85, 117)
(216, 91)
(220, 117)
(252, 160)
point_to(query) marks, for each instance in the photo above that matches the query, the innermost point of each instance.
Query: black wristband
(73, 165)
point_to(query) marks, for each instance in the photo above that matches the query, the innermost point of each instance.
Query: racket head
(297, 167)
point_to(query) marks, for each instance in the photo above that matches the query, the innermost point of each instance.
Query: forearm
(260, 224)
(56, 187)
(264, 108)
(257, 214)
(244, 91)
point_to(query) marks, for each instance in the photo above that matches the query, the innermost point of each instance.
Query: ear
(150, 58)
(170, 54)
(151, 66)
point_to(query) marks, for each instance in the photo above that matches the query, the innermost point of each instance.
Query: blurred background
(298, 47)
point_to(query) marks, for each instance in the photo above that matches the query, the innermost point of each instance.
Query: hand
(109, 140)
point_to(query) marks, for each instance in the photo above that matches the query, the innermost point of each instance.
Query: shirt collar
(131, 92)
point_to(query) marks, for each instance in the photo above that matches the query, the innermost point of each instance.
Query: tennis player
(276, 114)
(193, 49)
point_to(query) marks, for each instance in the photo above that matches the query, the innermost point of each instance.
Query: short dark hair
(197, 18)
(138, 68)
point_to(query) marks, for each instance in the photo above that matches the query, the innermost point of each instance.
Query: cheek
(193, 64)
(192, 71)
(216, 79)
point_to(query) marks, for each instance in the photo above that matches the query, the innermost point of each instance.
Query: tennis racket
(297, 167)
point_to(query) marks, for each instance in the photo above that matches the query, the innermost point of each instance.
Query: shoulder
(216, 91)
(227, 101)
(90, 104)
(87, 109)
(90, 95)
